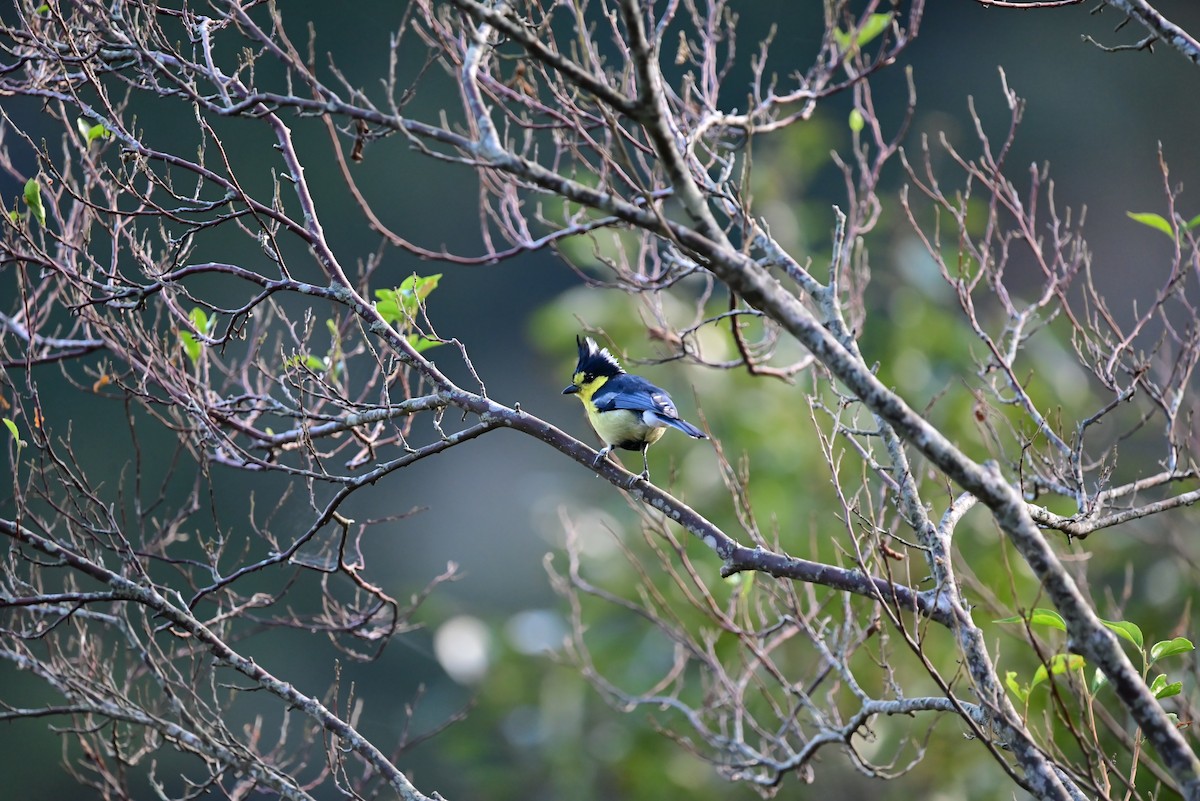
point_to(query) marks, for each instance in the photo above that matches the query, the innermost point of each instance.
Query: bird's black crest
(595, 360)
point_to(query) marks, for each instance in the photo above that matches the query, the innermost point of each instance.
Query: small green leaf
(33, 200)
(16, 433)
(875, 25)
(856, 121)
(421, 344)
(400, 305)
(1192, 223)
(204, 324)
(1129, 631)
(1039, 676)
(44, 8)
(1160, 688)
(1059, 664)
(388, 306)
(1179, 645)
(315, 363)
(192, 347)
(1039, 617)
(1048, 617)
(1098, 680)
(415, 289)
(1010, 679)
(855, 39)
(1155, 221)
(91, 132)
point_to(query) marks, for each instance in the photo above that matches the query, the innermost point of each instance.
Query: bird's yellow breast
(621, 428)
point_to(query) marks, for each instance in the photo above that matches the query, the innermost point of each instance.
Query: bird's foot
(642, 476)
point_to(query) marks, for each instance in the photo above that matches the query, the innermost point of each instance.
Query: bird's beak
(571, 390)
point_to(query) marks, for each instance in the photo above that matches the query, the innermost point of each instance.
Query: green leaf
(855, 39)
(421, 344)
(192, 347)
(1179, 645)
(1155, 221)
(842, 38)
(1192, 223)
(856, 121)
(1159, 688)
(400, 305)
(16, 432)
(44, 8)
(1098, 680)
(388, 306)
(33, 199)
(1010, 679)
(1039, 617)
(315, 363)
(202, 321)
(875, 25)
(1059, 664)
(91, 132)
(1129, 631)
(1039, 676)
(414, 289)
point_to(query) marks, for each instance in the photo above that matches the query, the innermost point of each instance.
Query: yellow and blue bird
(626, 410)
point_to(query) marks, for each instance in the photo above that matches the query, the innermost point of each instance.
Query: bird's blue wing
(635, 394)
(639, 395)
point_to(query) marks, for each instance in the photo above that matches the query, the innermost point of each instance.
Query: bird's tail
(684, 426)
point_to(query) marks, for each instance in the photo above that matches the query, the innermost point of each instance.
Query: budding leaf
(33, 200)
(1010, 679)
(1179, 645)
(91, 132)
(874, 25)
(1040, 617)
(400, 305)
(1059, 664)
(16, 433)
(1129, 631)
(421, 343)
(1160, 688)
(1155, 221)
(204, 324)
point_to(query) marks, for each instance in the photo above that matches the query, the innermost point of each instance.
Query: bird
(627, 411)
